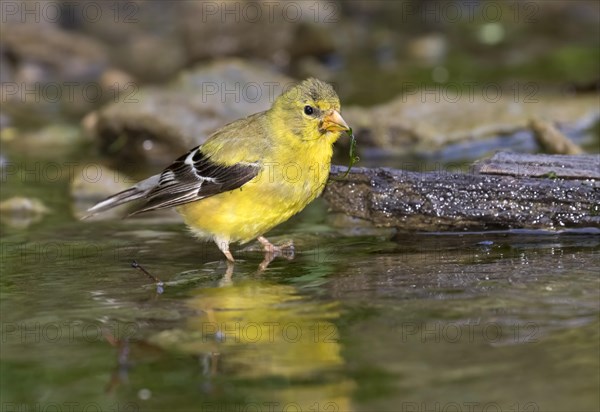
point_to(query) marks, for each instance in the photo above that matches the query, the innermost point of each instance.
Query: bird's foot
(285, 250)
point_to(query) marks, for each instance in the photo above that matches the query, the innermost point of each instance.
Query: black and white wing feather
(191, 177)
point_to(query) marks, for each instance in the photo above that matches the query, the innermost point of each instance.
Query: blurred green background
(96, 94)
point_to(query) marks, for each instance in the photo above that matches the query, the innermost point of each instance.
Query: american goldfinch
(253, 173)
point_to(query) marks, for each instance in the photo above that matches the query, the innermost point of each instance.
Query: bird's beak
(334, 122)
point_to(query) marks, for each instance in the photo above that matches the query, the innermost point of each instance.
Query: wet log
(507, 191)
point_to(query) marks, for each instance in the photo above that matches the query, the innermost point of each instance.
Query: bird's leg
(229, 256)
(226, 280)
(223, 246)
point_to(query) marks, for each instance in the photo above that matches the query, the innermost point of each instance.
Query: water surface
(503, 321)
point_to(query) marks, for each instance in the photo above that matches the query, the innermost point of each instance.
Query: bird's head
(310, 111)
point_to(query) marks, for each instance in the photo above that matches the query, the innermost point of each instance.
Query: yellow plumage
(252, 174)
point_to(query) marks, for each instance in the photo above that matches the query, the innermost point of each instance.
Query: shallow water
(467, 322)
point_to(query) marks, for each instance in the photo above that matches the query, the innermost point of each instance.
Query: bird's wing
(194, 176)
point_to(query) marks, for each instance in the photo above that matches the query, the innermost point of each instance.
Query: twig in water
(159, 284)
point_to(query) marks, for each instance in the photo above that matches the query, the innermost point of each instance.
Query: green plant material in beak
(353, 157)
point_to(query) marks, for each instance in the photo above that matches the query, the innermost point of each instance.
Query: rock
(48, 142)
(551, 139)
(94, 182)
(153, 57)
(21, 212)
(165, 37)
(515, 196)
(556, 166)
(160, 124)
(41, 53)
(276, 32)
(23, 205)
(46, 70)
(429, 49)
(423, 121)
(154, 49)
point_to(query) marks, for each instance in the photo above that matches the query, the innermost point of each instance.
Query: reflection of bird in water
(254, 329)
(121, 371)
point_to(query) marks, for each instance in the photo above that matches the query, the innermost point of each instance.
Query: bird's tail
(138, 191)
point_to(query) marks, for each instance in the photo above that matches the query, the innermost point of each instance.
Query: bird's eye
(308, 110)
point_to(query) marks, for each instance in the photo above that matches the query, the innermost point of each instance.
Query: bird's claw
(286, 250)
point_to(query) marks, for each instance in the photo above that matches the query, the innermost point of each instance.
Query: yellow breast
(288, 182)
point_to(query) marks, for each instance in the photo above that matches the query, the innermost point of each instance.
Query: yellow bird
(253, 173)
